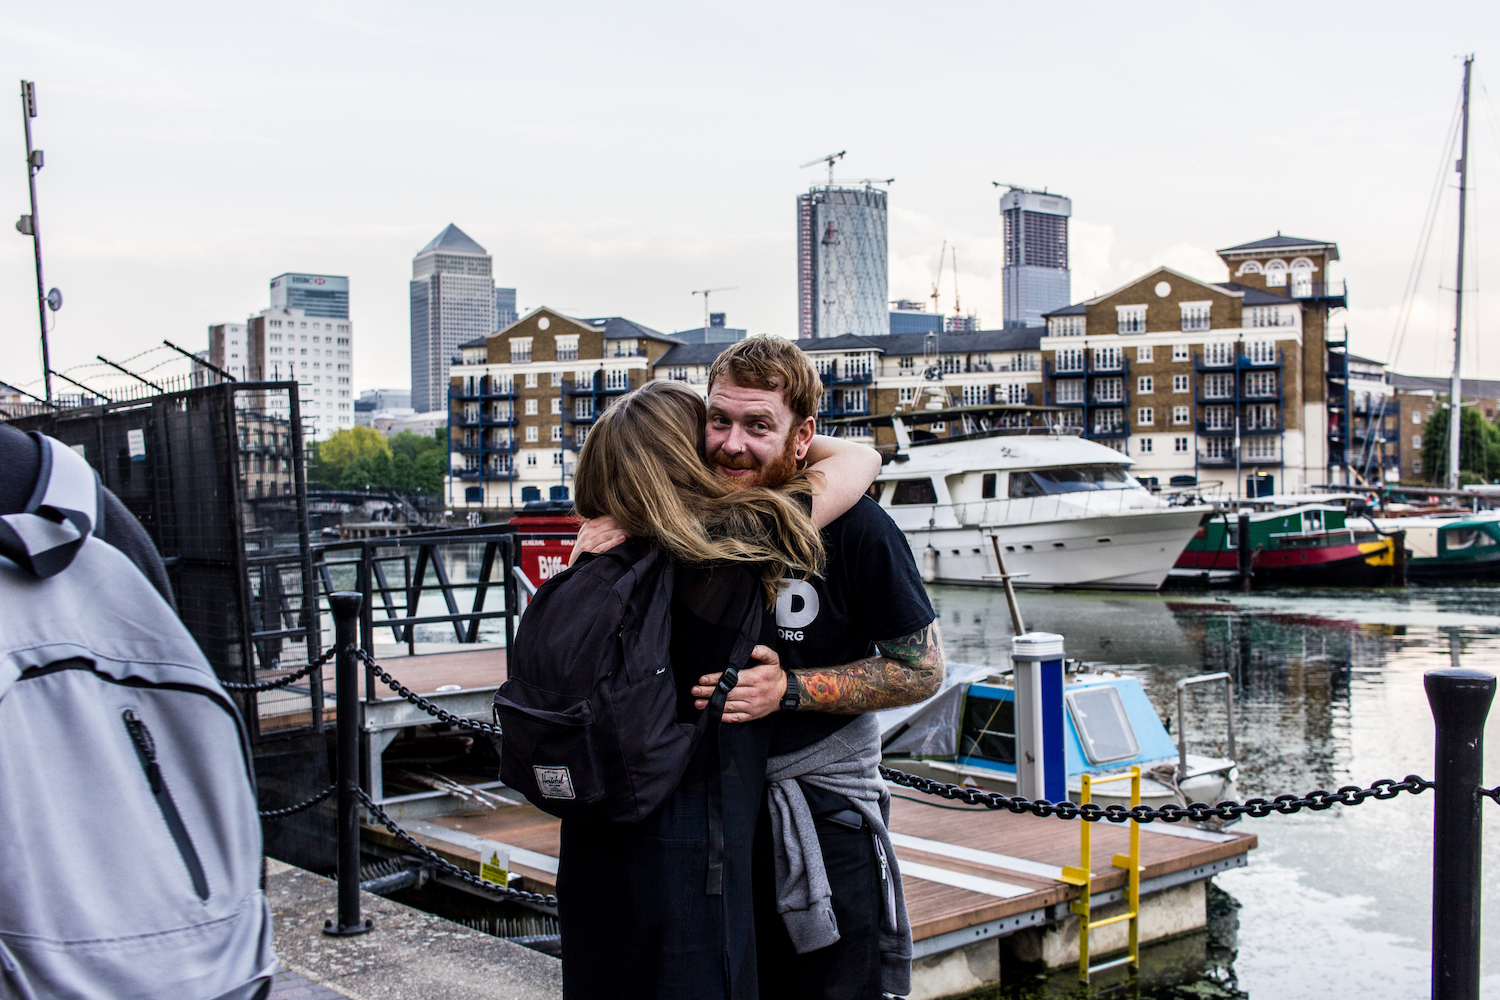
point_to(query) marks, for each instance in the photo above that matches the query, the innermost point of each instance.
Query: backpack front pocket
(145, 751)
(549, 753)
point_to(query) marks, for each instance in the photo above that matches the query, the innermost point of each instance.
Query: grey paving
(410, 955)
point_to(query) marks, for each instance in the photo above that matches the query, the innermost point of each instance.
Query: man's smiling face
(751, 438)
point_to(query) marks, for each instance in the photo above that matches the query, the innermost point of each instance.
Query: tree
(353, 458)
(1478, 447)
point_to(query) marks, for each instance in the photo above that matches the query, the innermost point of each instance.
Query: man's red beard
(777, 472)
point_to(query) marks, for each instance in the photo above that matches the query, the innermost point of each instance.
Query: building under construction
(842, 263)
(1036, 278)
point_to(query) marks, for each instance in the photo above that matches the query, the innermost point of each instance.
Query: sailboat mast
(1455, 395)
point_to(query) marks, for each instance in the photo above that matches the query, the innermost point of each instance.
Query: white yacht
(1065, 511)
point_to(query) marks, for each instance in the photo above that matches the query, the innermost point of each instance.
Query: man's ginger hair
(774, 364)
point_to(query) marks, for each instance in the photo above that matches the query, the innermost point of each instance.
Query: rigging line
(1424, 238)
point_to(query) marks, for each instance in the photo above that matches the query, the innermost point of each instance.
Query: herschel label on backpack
(589, 711)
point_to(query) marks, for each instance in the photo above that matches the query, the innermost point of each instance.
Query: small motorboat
(966, 734)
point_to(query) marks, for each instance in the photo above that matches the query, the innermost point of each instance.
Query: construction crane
(830, 159)
(956, 311)
(870, 181)
(942, 256)
(706, 292)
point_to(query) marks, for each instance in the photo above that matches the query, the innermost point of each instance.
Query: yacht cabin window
(987, 486)
(1073, 479)
(913, 491)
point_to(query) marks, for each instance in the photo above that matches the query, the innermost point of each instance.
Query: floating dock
(977, 881)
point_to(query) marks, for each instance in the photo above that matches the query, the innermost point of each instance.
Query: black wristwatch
(793, 696)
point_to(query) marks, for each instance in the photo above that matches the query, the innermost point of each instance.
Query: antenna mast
(28, 225)
(1455, 397)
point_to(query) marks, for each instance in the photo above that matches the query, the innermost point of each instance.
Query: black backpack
(589, 712)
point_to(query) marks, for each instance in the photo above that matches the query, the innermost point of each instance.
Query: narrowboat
(1313, 544)
(1452, 546)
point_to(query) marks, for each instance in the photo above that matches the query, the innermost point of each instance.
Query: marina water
(1328, 693)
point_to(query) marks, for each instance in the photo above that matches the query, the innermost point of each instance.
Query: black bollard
(345, 605)
(1460, 701)
(1245, 554)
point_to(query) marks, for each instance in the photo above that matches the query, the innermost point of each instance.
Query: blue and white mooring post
(1041, 764)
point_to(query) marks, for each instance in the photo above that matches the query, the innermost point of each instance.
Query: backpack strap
(714, 883)
(61, 514)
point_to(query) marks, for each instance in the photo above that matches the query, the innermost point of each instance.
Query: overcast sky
(614, 157)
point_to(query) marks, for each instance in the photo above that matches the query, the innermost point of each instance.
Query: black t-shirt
(871, 591)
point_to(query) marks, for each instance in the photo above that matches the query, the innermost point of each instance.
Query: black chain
(302, 806)
(545, 899)
(1195, 812)
(281, 682)
(423, 703)
(1493, 793)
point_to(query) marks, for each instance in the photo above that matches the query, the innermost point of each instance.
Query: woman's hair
(643, 465)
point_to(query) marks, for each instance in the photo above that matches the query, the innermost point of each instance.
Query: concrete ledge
(410, 955)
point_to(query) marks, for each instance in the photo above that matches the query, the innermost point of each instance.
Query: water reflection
(1328, 693)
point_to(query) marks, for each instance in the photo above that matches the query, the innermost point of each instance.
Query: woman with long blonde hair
(638, 917)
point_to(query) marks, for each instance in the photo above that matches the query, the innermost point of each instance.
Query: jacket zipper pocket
(145, 749)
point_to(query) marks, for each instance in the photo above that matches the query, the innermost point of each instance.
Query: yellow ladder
(1081, 877)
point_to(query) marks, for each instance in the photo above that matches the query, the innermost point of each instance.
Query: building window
(951, 364)
(556, 404)
(1145, 416)
(907, 393)
(1218, 386)
(1260, 446)
(1145, 384)
(1069, 390)
(1130, 319)
(567, 348)
(1180, 445)
(1264, 316)
(583, 408)
(557, 432)
(1109, 390)
(976, 395)
(1261, 352)
(1065, 326)
(1181, 352)
(1143, 353)
(617, 379)
(1016, 394)
(1147, 445)
(1218, 354)
(1182, 415)
(1276, 274)
(1302, 278)
(557, 380)
(1108, 359)
(1416, 441)
(1260, 384)
(1416, 465)
(579, 436)
(531, 434)
(531, 380)
(1070, 359)
(1416, 417)
(1181, 383)
(678, 373)
(1218, 418)
(531, 458)
(1195, 316)
(531, 407)
(1109, 421)
(907, 364)
(520, 350)
(939, 426)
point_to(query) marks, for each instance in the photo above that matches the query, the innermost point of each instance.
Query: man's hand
(598, 534)
(756, 695)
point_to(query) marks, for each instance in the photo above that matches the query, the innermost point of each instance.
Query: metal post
(1246, 557)
(1041, 763)
(346, 605)
(1460, 701)
(1456, 392)
(33, 164)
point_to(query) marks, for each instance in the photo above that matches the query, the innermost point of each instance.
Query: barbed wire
(423, 703)
(281, 682)
(1193, 812)
(545, 899)
(302, 806)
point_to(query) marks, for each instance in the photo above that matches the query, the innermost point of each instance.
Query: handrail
(1184, 684)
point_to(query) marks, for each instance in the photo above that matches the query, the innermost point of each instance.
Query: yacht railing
(1055, 507)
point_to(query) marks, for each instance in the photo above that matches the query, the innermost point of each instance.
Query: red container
(546, 542)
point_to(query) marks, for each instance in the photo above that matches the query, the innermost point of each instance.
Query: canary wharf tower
(452, 301)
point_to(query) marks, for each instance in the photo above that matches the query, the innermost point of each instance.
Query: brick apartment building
(1172, 370)
(522, 399)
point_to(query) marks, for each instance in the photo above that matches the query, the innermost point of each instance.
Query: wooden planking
(427, 672)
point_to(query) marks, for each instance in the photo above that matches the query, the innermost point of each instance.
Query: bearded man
(830, 917)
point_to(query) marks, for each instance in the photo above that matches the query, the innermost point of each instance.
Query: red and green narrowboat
(1309, 545)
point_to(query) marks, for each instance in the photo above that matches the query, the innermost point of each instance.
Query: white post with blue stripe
(1041, 764)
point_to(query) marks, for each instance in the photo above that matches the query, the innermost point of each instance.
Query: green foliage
(363, 458)
(1478, 447)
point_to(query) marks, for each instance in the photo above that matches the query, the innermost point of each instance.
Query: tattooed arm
(908, 670)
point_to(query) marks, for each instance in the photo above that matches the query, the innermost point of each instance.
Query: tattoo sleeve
(908, 670)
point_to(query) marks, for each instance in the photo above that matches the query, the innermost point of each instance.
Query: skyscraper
(1036, 279)
(325, 296)
(505, 307)
(842, 263)
(452, 301)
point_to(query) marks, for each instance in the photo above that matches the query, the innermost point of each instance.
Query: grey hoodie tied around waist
(845, 763)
